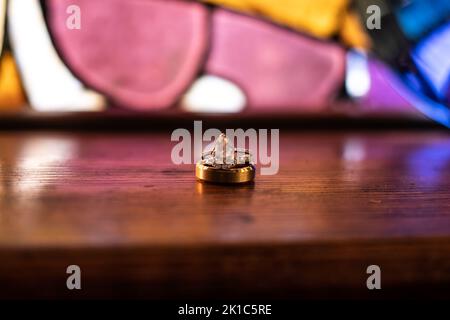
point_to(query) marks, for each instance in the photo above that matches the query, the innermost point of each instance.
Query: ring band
(237, 174)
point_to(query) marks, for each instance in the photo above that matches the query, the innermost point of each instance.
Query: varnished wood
(139, 226)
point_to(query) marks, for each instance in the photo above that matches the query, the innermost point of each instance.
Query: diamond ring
(225, 164)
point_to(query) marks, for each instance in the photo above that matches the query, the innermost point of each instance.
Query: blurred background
(286, 57)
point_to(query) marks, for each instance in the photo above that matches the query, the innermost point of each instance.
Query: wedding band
(237, 174)
(231, 166)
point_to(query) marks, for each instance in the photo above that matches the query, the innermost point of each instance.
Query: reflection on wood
(139, 226)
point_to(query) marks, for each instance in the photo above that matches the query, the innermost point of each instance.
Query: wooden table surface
(139, 226)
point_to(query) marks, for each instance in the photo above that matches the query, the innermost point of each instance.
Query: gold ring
(237, 174)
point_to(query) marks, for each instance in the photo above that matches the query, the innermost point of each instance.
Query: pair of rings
(225, 165)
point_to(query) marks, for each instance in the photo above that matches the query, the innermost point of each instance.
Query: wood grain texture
(139, 226)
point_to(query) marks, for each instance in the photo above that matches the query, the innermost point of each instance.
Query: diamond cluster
(223, 155)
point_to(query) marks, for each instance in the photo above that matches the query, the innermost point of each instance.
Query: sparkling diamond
(243, 157)
(224, 151)
(209, 159)
(224, 155)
